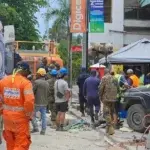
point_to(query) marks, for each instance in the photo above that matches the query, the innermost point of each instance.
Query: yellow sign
(117, 69)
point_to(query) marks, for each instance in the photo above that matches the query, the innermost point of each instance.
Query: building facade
(127, 23)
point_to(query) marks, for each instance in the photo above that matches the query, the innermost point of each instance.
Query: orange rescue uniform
(135, 80)
(16, 105)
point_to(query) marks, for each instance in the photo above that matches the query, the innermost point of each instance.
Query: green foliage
(61, 15)
(21, 14)
(76, 65)
(62, 50)
(60, 32)
(6, 12)
(76, 58)
(57, 35)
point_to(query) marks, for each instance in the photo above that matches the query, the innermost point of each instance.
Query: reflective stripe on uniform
(28, 92)
(11, 93)
(13, 108)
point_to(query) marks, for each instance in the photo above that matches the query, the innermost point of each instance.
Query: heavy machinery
(38, 50)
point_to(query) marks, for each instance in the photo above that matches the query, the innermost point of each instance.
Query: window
(108, 11)
(137, 13)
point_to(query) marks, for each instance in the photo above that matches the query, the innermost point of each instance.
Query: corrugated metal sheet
(144, 2)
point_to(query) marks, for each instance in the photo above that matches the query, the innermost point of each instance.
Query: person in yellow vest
(133, 80)
(142, 77)
(122, 82)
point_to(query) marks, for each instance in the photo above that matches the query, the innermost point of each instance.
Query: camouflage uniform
(108, 96)
(50, 67)
(51, 99)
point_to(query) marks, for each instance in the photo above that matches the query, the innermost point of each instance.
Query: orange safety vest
(135, 80)
(17, 102)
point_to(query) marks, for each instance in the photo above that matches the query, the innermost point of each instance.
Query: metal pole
(87, 33)
(85, 41)
(84, 51)
(69, 52)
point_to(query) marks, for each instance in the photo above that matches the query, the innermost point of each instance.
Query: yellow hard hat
(41, 71)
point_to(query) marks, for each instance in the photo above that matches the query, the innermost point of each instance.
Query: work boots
(53, 126)
(60, 128)
(35, 130)
(42, 132)
(110, 130)
(96, 116)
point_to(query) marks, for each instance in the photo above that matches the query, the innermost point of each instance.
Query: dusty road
(70, 140)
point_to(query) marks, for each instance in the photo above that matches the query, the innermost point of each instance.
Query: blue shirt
(91, 87)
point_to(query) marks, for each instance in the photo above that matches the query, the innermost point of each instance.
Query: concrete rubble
(122, 139)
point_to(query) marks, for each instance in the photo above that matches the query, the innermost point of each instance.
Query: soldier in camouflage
(108, 93)
(50, 68)
(51, 99)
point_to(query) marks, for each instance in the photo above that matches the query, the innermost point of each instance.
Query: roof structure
(137, 52)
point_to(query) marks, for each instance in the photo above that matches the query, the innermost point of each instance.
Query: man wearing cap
(41, 91)
(62, 96)
(16, 107)
(80, 82)
(133, 80)
(51, 98)
(90, 91)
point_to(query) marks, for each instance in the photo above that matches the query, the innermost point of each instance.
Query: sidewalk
(121, 140)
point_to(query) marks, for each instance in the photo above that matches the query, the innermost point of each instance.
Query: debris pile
(80, 125)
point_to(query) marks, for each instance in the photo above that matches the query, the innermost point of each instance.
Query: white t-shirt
(60, 86)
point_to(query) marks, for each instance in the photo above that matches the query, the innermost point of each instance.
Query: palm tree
(62, 16)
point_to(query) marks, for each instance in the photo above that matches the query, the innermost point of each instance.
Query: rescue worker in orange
(133, 80)
(17, 105)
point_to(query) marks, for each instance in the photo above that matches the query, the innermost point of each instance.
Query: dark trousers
(93, 102)
(83, 103)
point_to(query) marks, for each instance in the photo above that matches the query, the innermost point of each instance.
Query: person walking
(122, 83)
(108, 94)
(90, 91)
(80, 82)
(17, 106)
(62, 96)
(51, 98)
(41, 91)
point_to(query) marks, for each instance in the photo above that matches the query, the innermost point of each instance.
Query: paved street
(75, 140)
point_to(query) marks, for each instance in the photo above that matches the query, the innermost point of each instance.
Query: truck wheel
(135, 117)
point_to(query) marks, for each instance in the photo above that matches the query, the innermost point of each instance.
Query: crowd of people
(93, 93)
(22, 97)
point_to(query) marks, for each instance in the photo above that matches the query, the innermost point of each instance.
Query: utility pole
(85, 40)
(69, 63)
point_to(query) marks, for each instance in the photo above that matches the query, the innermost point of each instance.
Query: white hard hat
(129, 71)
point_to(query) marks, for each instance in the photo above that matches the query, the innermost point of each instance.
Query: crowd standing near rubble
(22, 97)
